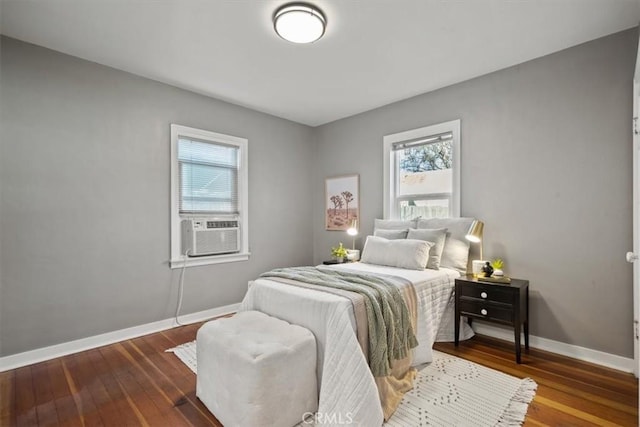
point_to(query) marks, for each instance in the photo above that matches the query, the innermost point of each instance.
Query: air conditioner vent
(210, 236)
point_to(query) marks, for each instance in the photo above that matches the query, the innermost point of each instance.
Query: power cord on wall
(181, 287)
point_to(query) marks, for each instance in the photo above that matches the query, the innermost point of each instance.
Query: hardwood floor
(136, 383)
(131, 383)
(570, 392)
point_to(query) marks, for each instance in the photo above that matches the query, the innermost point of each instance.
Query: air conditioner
(210, 236)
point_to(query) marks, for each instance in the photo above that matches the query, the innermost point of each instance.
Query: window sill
(207, 260)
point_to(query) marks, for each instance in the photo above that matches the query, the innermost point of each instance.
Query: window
(208, 190)
(208, 177)
(422, 172)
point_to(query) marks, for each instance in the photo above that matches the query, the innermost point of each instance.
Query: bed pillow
(406, 253)
(455, 254)
(392, 224)
(435, 235)
(391, 234)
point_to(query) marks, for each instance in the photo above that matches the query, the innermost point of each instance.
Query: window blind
(411, 143)
(208, 177)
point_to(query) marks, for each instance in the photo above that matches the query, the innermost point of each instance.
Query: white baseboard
(41, 354)
(46, 353)
(581, 353)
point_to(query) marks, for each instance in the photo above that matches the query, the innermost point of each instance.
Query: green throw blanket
(390, 333)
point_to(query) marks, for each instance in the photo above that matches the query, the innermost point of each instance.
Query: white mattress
(346, 385)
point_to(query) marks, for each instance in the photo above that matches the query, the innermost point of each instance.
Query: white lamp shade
(353, 228)
(299, 23)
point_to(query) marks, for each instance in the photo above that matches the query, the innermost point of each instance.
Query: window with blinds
(209, 197)
(208, 177)
(422, 173)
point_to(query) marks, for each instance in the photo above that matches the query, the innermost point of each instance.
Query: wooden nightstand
(503, 303)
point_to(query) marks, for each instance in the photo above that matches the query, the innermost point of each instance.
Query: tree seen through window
(429, 157)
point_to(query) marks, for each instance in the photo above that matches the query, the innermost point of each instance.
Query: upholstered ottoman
(256, 370)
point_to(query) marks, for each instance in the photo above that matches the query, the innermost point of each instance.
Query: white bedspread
(347, 389)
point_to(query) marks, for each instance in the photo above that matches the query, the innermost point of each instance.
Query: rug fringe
(516, 411)
(180, 347)
(187, 354)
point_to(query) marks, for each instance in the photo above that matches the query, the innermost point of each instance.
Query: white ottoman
(256, 370)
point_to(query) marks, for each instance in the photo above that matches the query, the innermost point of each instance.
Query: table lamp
(353, 254)
(475, 235)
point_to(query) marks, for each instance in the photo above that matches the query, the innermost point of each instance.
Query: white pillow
(393, 224)
(455, 254)
(391, 234)
(408, 253)
(437, 236)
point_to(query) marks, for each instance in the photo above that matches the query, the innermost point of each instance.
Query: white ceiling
(374, 52)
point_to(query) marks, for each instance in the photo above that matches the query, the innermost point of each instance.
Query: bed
(347, 389)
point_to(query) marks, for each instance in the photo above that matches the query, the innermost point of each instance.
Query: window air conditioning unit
(210, 236)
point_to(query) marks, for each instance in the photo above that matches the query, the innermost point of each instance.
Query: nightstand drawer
(486, 292)
(486, 310)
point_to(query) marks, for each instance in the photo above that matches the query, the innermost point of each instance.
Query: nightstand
(504, 303)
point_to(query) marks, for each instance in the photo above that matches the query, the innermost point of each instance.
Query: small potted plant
(339, 253)
(497, 265)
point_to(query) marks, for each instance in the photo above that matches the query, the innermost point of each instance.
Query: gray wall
(546, 163)
(84, 198)
(84, 190)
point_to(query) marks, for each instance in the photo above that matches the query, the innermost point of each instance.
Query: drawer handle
(483, 311)
(483, 294)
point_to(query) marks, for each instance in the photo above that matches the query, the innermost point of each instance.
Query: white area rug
(447, 392)
(187, 353)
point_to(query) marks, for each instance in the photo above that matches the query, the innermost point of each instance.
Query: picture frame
(342, 201)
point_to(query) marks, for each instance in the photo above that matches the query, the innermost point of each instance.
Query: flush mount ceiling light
(299, 23)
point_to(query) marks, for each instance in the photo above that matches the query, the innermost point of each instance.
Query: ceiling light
(299, 23)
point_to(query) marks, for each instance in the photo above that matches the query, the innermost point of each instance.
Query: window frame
(177, 260)
(390, 184)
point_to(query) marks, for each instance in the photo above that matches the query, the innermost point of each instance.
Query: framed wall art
(342, 204)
